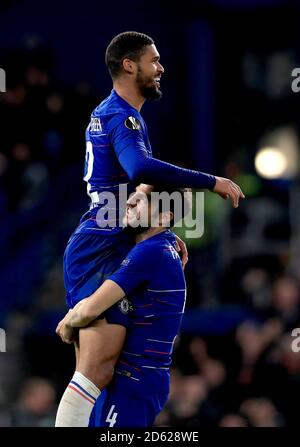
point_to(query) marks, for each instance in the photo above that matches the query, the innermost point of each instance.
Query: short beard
(134, 231)
(151, 93)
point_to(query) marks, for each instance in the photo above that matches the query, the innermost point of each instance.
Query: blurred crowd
(42, 126)
(246, 376)
(250, 378)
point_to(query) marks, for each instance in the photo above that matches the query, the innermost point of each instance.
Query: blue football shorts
(120, 405)
(89, 259)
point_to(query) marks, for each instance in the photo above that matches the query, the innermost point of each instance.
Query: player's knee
(101, 375)
(105, 376)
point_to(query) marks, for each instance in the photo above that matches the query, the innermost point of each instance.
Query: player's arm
(129, 276)
(142, 168)
(89, 309)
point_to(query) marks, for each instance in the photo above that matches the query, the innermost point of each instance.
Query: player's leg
(99, 347)
(88, 260)
(76, 346)
(124, 407)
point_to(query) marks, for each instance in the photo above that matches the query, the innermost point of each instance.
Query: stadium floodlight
(278, 156)
(270, 163)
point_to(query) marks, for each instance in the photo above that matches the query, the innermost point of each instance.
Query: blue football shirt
(118, 152)
(152, 277)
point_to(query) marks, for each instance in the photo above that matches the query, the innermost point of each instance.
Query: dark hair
(164, 207)
(129, 44)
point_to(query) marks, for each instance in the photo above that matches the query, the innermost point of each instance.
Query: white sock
(77, 402)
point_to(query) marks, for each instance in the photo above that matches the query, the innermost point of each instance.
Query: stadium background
(226, 92)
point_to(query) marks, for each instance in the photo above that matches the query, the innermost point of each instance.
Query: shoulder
(166, 253)
(161, 247)
(117, 112)
(108, 107)
(115, 118)
(153, 257)
(144, 251)
(162, 239)
(166, 265)
(114, 105)
(143, 255)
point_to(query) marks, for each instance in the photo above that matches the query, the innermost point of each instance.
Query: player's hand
(65, 331)
(228, 189)
(182, 250)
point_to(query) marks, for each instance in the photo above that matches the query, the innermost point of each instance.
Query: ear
(128, 66)
(165, 218)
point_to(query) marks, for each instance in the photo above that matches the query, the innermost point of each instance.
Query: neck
(129, 93)
(149, 233)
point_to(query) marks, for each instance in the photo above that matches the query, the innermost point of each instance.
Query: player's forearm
(76, 318)
(90, 308)
(157, 171)
(142, 168)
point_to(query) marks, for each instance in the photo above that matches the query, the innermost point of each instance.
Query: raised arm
(141, 167)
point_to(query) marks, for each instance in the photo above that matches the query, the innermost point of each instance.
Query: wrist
(213, 182)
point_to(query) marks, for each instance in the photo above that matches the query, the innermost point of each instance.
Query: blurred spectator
(35, 406)
(214, 373)
(256, 286)
(233, 420)
(286, 301)
(261, 412)
(253, 340)
(289, 359)
(198, 350)
(27, 180)
(184, 404)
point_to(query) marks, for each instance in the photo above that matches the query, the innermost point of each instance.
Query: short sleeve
(136, 269)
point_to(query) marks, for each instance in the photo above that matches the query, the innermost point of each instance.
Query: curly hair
(131, 45)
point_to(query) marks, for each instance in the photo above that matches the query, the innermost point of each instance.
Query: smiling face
(138, 209)
(148, 74)
(146, 209)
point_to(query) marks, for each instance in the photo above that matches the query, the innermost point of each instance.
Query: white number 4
(111, 417)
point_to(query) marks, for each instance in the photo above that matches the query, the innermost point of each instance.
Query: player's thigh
(76, 346)
(100, 343)
(88, 260)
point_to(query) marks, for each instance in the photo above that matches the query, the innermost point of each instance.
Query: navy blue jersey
(152, 277)
(110, 131)
(114, 126)
(118, 152)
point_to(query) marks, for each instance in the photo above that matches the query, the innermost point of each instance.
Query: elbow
(136, 175)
